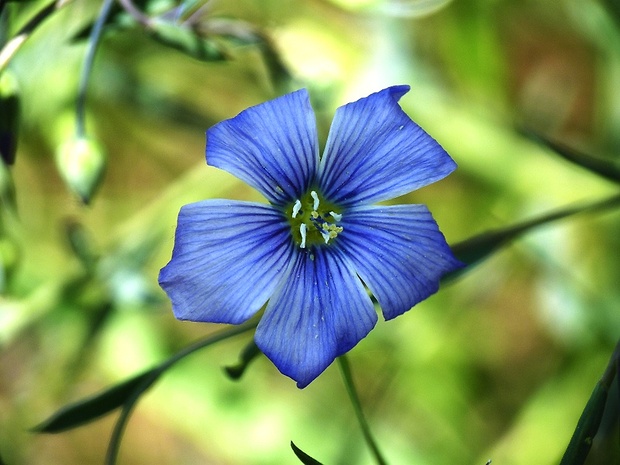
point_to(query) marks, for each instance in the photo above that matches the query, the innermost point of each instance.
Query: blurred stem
(357, 406)
(119, 428)
(12, 46)
(93, 42)
(135, 13)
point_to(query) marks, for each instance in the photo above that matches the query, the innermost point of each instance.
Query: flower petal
(272, 147)
(227, 260)
(399, 253)
(320, 312)
(375, 152)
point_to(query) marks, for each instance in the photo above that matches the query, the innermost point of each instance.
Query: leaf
(91, 408)
(590, 420)
(249, 353)
(411, 8)
(607, 168)
(475, 249)
(303, 457)
(588, 424)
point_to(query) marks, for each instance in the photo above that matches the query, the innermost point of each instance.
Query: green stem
(128, 406)
(93, 42)
(357, 406)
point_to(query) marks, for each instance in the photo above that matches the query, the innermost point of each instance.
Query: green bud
(9, 116)
(81, 163)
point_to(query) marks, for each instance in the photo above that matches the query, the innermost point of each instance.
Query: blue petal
(227, 260)
(375, 152)
(272, 147)
(398, 251)
(320, 312)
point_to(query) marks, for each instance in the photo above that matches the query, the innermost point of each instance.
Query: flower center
(313, 221)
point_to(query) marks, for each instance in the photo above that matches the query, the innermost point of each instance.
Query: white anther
(336, 216)
(302, 231)
(315, 197)
(326, 236)
(296, 208)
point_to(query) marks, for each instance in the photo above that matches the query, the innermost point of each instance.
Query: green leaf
(303, 457)
(92, 408)
(590, 420)
(588, 424)
(605, 167)
(475, 249)
(249, 353)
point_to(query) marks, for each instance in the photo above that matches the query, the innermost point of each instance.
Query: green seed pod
(81, 162)
(9, 116)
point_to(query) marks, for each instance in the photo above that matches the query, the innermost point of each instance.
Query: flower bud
(81, 163)
(9, 116)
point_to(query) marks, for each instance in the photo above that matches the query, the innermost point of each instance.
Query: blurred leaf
(91, 408)
(186, 40)
(590, 419)
(303, 457)
(9, 259)
(613, 8)
(7, 189)
(411, 8)
(604, 167)
(278, 72)
(249, 353)
(9, 116)
(81, 244)
(475, 249)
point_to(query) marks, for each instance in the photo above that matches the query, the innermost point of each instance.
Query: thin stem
(357, 406)
(128, 406)
(135, 13)
(93, 42)
(13, 45)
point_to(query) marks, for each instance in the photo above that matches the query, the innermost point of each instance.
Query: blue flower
(313, 253)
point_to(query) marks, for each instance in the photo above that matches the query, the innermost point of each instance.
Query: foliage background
(498, 364)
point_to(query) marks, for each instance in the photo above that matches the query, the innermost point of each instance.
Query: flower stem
(128, 406)
(345, 369)
(93, 42)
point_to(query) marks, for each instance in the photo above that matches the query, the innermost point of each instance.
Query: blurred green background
(498, 365)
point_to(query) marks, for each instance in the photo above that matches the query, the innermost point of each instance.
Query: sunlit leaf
(606, 167)
(303, 457)
(92, 408)
(411, 8)
(475, 249)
